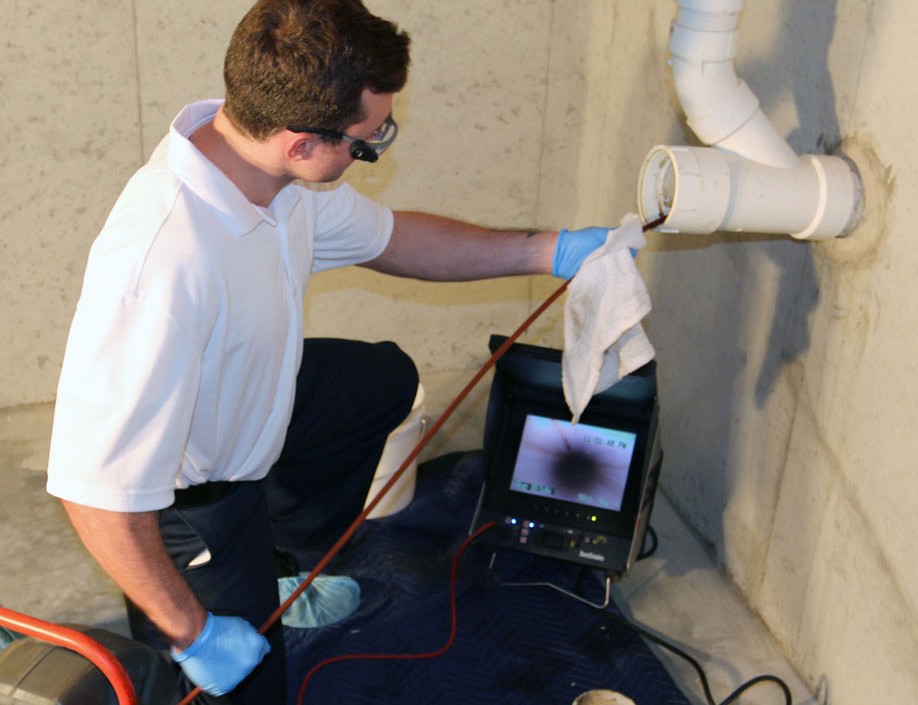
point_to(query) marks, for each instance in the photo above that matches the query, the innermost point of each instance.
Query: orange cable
(349, 532)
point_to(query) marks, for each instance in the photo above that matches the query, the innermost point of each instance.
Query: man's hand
(573, 247)
(225, 652)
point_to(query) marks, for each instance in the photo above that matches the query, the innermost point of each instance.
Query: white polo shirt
(182, 357)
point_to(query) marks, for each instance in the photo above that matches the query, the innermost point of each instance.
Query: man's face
(332, 160)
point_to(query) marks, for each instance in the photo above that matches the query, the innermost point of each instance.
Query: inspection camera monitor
(577, 492)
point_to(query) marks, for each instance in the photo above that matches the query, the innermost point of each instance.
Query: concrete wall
(86, 91)
(787, 374)
(787, 370)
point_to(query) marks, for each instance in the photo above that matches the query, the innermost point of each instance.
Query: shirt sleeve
(351, 228)
(125, 402)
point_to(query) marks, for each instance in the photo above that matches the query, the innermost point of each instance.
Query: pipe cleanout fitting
(702, 190)
(748, 179)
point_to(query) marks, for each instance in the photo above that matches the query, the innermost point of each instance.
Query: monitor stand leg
(605, 603)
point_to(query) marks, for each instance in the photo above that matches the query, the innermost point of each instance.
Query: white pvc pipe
(702, 190)
(751, 180)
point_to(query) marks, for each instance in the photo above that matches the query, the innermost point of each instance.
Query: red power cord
(71, 639)
(349, 532)
(407, 657)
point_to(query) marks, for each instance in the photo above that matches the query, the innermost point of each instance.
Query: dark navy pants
(350, 395)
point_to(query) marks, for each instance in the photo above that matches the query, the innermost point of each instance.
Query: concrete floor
(678, 593)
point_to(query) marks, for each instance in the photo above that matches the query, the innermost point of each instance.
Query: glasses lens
(384, 136)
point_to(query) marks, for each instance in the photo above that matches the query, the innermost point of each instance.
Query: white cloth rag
(603, 337)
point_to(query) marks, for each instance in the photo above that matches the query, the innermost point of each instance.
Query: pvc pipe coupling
(702, 190)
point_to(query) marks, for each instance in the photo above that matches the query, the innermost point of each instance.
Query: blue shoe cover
(328, 599)
(7, 637)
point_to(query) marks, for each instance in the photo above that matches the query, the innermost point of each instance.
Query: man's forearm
(431, 247)
(129, 547)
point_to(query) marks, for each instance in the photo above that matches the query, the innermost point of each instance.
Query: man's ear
(301, 146)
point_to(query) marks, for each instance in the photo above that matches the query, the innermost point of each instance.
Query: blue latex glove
(225, 652)
(573, 247)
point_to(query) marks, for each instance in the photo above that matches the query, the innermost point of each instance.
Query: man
(194, 431)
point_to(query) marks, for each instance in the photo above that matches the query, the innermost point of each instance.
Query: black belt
(199, 495)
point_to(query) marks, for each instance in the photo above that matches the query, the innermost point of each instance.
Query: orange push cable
(349, 532)
(71, 639)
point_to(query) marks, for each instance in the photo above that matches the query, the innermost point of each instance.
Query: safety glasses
(367, 150)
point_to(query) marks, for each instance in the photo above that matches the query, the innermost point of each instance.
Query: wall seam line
(137, 82)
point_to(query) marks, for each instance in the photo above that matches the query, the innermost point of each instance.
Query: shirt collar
(201, 176)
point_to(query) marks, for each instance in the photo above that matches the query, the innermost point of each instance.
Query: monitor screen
(578, 492)
(582, 464)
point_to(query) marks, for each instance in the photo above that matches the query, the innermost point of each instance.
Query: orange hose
(349, 532)
(71, 639)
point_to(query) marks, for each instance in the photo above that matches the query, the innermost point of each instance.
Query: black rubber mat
(514, 645)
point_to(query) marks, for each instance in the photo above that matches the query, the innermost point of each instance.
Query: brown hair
(307, 62)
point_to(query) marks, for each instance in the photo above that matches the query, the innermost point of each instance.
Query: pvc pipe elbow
(703, 190)
(719, 107)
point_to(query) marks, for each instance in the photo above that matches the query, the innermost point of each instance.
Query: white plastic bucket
(399, 444)
(602, 697)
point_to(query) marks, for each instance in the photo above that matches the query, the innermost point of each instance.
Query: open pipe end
(657, 189)
(689, 187)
